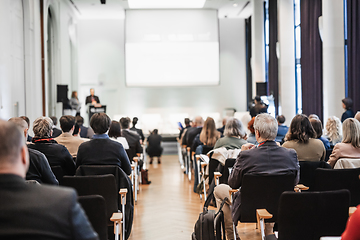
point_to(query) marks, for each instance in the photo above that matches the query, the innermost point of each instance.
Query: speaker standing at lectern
(92, 99)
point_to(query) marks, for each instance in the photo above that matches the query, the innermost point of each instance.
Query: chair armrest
(263, 214)
(197, 157)
(188, 149)
(300, 187)
(138, 154)
(133, 166)
(184, 146)
(231, 192)
(203, 164)
(351, 210)
(116, 217)
(136, 159)
(123, 192)
(192, 154)
(217, 174)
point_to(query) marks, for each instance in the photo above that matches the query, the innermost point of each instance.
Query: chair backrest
(103, 185)
(58, 172)
(307, 171)
(229, 163)
(206, 149)
(263, 191)
(335, 179)
(310, 215)
(95, 209)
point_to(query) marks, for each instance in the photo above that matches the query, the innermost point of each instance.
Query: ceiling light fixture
(166, 3)
(235, 5)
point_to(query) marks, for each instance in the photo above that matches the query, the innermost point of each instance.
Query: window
(297, 37)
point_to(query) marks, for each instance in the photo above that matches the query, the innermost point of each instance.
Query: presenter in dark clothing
(154, 148)
(92, 98)
(347, 105)
(101, 150)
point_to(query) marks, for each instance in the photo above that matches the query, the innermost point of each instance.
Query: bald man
(191, 133)
(29, 211)
(39, 168)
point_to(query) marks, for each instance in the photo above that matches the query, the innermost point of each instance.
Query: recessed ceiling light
(166, 3)
(235, 5)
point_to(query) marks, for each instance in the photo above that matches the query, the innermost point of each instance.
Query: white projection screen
(171, 48)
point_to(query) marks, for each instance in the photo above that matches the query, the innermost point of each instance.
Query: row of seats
(322, 210)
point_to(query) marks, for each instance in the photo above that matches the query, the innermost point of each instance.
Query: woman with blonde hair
(208, 136)
(350, 145)
(333, 130)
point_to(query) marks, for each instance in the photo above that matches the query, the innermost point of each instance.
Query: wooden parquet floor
(168, 208)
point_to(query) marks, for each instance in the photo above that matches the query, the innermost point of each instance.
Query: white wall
(101, 65)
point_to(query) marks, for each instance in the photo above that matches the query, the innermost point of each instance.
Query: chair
(229, 163)
(122, 181)
(311, 215)
(96, 215)
(105, 186)
(335, 179)
(58, 172)
(307, 171)
(262, 192)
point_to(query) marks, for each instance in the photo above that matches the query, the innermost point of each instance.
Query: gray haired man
(267, 158)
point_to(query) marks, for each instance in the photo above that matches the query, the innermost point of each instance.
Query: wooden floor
(168, 208)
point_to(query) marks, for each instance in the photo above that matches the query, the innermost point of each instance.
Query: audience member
(350, 145)
(39, 168)
(132, 138)
(56, 154)
(208, 137)
(67, 124)
(251, 138)
(282, 128)
(357, 116)
(235, 135)
(92, 99)
(222, 129)
(313, 116)
(32, 211)
(76, 132)
(27, 120)
(258, 107)
(191, 133)
(333, 130)
(100, 150)
(56, 131)
(139, 131)
(154, 148)
(115, 134)
(352, 230)
(301, 137)
(75, 103)
(316, 124)
(85, 132)
(187, 125)
(267, 158)
(347, 105)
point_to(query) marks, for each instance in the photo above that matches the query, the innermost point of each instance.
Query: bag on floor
(210, 225)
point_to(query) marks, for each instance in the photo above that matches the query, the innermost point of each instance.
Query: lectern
(96, 109)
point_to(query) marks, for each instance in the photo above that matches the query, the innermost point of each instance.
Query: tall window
(297, 37)
(346, 48)
(266, 38)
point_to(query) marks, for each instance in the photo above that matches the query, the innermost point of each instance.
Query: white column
(257, 43)
(333, 57)
(286, 59)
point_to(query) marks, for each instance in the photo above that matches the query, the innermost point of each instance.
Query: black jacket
(56, 154)
(103, 152)
(29, 211)
(39, 169)
(88, 99)
(190, 135)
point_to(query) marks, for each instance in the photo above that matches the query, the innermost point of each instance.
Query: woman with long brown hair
(208, 136)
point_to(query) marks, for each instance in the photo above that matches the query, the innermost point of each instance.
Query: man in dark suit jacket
(191, 133)
(31, 211)
(101, 150)
(132, 137)
(266, 158)
(92, 98)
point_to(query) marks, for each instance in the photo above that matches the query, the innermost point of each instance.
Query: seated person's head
(54, 119)
(42, 127)
(14, 157)
(115, 130)
(100, 123)
(21, 123)
(234, 128)
(251, 125)
(316, 124)
(27, 120)
(313, 116)
(357, 116)
(187, 121)
(351, 132)
(266, 127)
(67, 122)
(134, 121)
(76, 130)
(125, 123)
(79, 120)
(280, 119)
(300, 129)
(199, 121)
